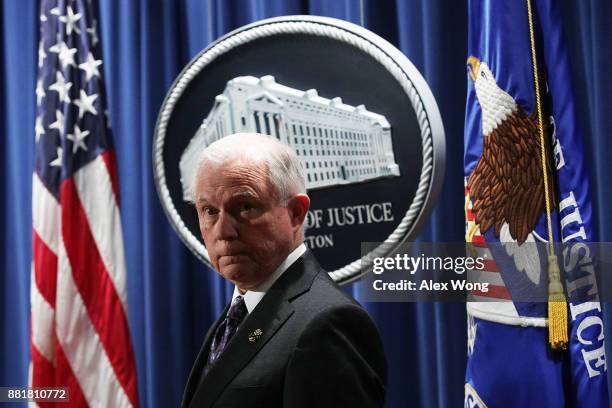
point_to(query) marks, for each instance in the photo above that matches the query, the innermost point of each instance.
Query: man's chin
(238, 274)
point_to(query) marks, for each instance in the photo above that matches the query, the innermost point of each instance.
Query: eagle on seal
(507, 184)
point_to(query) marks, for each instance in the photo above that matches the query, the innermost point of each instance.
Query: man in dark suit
(290, 337)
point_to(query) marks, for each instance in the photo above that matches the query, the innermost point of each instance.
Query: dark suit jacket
(318, 348)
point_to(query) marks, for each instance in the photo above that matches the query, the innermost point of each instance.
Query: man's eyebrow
(244, 194)
(235, 196)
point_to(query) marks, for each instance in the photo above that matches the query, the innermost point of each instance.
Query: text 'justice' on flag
(79, 332)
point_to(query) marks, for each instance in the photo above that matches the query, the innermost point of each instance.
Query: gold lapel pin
(255, 335)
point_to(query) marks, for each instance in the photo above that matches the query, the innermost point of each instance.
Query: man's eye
(246, 207)
(209, 211)
(248, 210)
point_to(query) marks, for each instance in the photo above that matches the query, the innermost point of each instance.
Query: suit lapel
(196, 371)
(269, 315)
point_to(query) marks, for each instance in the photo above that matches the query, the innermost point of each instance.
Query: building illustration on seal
(338, 144)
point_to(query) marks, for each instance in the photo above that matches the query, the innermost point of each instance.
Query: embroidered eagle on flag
(507, 184)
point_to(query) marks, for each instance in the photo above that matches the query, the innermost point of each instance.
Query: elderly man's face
(246, 230)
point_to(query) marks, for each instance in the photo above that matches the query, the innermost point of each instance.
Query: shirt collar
(253, 297)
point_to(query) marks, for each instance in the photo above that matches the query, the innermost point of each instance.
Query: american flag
(79, 332)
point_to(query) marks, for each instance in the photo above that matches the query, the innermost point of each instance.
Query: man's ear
(298, 206)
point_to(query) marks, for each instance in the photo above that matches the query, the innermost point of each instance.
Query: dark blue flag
(508, 181)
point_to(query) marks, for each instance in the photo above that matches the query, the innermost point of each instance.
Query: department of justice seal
(357, 113)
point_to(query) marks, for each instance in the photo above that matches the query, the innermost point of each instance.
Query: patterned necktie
(226, 331)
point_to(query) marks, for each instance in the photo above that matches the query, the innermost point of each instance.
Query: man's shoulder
(322, 286)
(328, 292)
(324, 298)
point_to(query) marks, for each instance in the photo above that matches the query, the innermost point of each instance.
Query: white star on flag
(66, 55)
(55, 11)
(78, 139)
(40, 91)
(93, 31)
(41, 54)
(58, 160)
(55, 48)
(59, 122)
(61, 87)
(70, 19)
(85, 103)
(90, 67)
(39, 128)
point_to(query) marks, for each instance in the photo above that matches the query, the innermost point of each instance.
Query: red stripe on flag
(110, 160)
(42, 369)
(478, 240)
(64, 377)
(495, 291)
(99, 296)
(45, 268)
(469, 214)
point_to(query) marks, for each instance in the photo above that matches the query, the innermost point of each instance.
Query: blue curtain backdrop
(172, 297)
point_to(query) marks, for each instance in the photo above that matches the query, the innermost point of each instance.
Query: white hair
(283, 166)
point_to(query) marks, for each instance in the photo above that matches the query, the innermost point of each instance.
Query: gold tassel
(557, 307)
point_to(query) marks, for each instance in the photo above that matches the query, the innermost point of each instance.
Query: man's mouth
(234, 258)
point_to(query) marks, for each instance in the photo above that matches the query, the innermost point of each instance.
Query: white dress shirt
(253, 297)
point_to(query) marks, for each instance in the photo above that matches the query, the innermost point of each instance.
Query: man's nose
(226, 227)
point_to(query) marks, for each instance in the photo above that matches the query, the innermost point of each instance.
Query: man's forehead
(230, 193)
(236, 171)
(236, 178)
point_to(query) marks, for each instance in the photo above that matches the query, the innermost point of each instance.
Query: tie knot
(237, 310)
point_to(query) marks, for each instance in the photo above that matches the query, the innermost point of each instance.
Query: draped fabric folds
(172, 297)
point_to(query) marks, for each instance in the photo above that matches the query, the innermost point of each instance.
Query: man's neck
(257, 292)
(296, 245)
